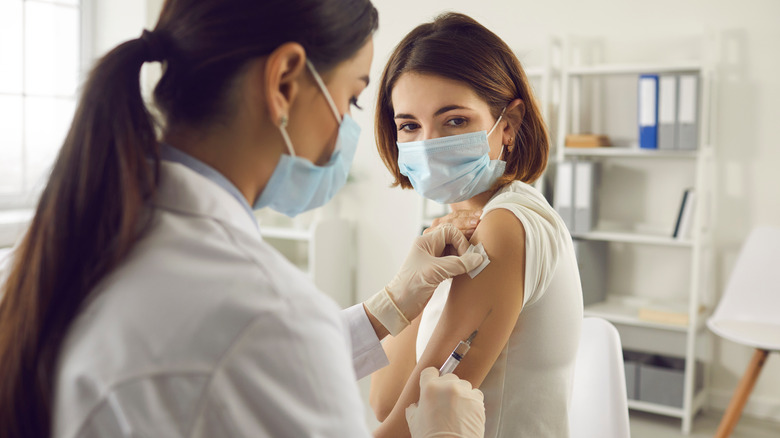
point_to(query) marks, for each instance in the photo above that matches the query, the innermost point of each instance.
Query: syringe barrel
(454, 358)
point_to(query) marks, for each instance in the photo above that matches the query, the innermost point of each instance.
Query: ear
(513, 115)
(283, 68)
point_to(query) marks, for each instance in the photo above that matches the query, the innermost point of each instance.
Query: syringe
(457, 354)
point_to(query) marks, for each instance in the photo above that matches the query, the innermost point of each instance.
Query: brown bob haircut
(457, 47)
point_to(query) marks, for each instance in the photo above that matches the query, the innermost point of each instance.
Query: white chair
(599, 403)
(749, 313)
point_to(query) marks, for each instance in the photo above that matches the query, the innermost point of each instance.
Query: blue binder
(648, 111)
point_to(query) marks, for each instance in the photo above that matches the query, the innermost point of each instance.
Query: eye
(457, 121)
(408, 127)
(354, 103)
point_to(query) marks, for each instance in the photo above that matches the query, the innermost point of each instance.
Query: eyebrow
(438, 112)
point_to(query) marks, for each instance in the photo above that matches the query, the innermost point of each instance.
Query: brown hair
(457, 47)
(95, 205)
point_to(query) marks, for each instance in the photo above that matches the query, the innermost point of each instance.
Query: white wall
(113, 22)
(747, 159)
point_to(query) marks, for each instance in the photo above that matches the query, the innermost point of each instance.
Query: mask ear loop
(495, 125)
(285, 136)
(324, 89)
(494, 128)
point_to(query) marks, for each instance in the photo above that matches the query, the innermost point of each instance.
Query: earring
(283, 122)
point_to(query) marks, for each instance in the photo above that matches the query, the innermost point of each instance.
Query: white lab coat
(206, 331)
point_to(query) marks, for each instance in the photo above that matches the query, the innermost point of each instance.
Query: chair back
(753, 290)
(599, 402)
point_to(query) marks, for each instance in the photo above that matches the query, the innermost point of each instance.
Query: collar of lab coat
(185, 191)
(170, 153)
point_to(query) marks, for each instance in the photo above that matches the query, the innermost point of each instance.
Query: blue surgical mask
(297, 184)
(451, 169)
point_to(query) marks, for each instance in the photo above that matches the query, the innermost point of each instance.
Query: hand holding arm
(405, 296)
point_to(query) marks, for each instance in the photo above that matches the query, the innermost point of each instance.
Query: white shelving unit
(323, 248)
(546, 81)
(625, 293)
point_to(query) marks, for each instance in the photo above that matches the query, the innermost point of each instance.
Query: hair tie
(155, 51)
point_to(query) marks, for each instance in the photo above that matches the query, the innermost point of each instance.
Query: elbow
(380, 407)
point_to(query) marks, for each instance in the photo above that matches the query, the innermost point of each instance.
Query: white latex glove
(406, 295)
(448, 407)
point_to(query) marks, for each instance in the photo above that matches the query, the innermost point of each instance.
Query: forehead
(420, 92)
(355, 67)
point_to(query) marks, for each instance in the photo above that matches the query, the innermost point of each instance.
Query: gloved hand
(406, 294)
(448, 407)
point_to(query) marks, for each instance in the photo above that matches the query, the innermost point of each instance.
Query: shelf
(624, 152)
(285, 233)
(625, 310)
(669, 411)
(633, 69)
(629, 237)
(655, 408)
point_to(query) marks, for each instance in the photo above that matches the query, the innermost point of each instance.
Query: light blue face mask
(297, 184)
(451, 169)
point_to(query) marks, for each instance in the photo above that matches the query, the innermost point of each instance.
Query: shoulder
(543, 225)
(501, 233)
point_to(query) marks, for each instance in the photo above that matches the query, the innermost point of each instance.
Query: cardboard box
(586, 141)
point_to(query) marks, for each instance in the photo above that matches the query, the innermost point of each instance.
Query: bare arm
(498, 287)
(388, 382)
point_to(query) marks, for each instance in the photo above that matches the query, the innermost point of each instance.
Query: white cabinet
(322, 247)
(634, 273)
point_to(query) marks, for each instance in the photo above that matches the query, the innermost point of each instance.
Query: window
(40, 59)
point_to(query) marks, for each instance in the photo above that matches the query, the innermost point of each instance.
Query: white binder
(584, 196)
(688, 117)
(592, 260)
(667, 112)
(563, 196)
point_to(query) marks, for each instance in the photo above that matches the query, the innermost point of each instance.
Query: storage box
(586, 140)
(592, 261)
(631, 362)
(662, 379)
(632, 377)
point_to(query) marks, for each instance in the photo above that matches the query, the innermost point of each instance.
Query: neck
(234, 152)
(477, 202)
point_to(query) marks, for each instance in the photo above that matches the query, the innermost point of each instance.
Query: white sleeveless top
(527, 390)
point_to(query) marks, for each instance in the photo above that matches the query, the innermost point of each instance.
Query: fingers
(472, 260)
(427, 374)
(453, 236)
(411, 410)
(464, 220)
(430, 376)
(452, 266)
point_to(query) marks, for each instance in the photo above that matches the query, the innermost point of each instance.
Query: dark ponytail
(96, 203)
(87, 219)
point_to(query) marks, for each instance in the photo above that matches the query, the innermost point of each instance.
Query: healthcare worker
(142, 302)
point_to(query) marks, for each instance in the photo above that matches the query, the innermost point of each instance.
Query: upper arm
(497, 292)
(490, 302)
